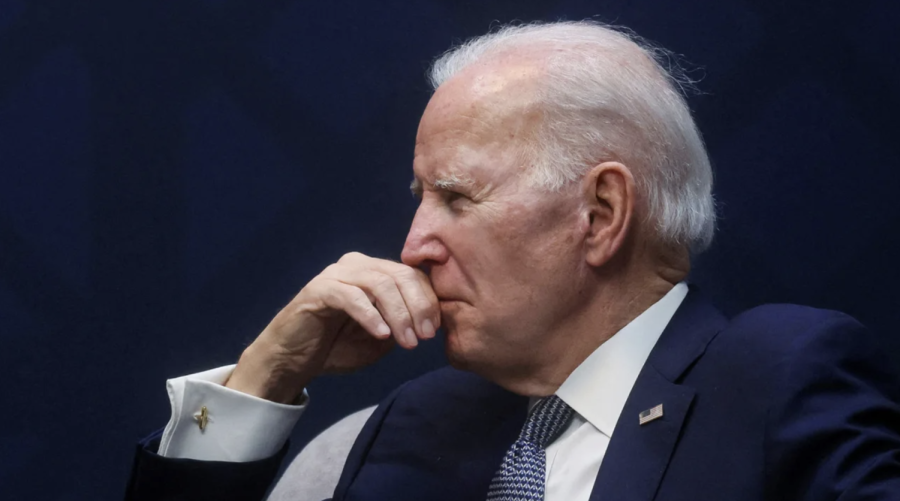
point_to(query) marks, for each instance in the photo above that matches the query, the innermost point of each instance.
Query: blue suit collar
(684, 340)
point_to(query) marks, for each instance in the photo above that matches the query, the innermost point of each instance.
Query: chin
(466, 351)
(466, 354)
(460, 351)
(455, 354)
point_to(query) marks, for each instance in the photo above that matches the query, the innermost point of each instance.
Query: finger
(413, 284)
(418, 293)
(357, 304)
(420, 299)
(389, 301)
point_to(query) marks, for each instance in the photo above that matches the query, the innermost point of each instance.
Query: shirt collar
(598, 388)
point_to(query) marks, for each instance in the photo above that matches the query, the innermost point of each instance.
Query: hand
(345, 318)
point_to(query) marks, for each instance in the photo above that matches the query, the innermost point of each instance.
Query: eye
(453, 198)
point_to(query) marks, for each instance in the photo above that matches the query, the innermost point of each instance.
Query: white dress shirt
(240, 427)
(597, 391)
(245, 428)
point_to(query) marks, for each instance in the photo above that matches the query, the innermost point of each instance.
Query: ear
(610, 198)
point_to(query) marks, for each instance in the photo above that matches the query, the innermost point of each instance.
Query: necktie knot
(547, 421)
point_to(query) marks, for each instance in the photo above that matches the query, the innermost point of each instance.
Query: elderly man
(564, 187)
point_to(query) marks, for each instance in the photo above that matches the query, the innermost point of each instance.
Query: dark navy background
(172, 173)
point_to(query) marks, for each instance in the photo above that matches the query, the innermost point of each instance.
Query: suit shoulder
(782, 329)
(778, 351)
(772, 343)
(790, 316)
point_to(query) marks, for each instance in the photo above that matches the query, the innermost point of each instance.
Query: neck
(612, 306)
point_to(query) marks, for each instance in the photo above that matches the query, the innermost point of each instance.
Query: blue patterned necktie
(521, 475)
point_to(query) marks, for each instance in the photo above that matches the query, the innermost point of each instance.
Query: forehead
(478, 117)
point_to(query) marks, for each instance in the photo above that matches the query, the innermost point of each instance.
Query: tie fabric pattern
(521, 475)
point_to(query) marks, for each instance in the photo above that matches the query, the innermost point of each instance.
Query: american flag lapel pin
(651, 414)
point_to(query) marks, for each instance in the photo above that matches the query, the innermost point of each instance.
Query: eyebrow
(449, 182)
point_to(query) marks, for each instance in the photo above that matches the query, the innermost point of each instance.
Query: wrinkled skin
(527, 282)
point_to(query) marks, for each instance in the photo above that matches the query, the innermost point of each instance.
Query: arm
(235, 456)
(834, 430)
(154, 477)
(347, 317)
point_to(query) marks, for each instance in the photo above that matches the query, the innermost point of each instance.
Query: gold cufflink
(651, 414)
(203, 418)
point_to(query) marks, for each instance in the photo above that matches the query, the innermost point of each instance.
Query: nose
(424, 247)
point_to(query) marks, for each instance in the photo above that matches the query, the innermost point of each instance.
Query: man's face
(505, 258)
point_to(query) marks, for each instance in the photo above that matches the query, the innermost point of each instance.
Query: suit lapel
(638, 454)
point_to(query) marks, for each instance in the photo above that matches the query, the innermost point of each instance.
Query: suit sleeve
(833, 432)
(157, 478)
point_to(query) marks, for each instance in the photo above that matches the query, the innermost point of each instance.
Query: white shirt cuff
(239, 427)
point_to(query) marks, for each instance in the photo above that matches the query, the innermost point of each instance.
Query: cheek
(547, 269)
(511, 256)
(510, 235)
(527, 271)
(542, 243)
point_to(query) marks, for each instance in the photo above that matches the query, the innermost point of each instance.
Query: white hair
(606, 94)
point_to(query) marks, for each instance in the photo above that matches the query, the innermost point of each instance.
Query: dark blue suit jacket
(779, 403)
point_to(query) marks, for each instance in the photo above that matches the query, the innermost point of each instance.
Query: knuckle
(373, 315)
(430, 309)
(401, 313)
(330, 270)
(424, 306)
(332, 293)
(360, 299)
(350, 257)
(384, 282)
(316, 281)
(317, 286)
(407, 274)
